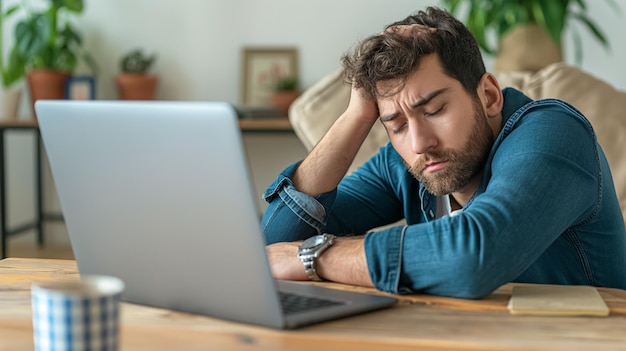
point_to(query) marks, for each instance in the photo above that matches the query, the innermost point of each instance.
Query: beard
(463, 164)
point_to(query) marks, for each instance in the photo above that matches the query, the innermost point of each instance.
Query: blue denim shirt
(545, 212)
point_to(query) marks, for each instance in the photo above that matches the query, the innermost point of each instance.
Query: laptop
(159, 194)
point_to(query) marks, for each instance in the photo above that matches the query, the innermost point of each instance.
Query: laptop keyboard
(293, 303)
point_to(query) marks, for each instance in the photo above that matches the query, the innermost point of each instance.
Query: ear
(491, 95)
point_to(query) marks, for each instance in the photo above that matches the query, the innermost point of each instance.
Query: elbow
(281, 224)
(469, 278)
(474, 291)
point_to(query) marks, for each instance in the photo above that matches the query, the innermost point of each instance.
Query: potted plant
(50, 48)
(285, 93)
(11, 72)
(529, 32)
(134, 83)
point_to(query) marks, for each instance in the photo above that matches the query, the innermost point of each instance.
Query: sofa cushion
(316, 109)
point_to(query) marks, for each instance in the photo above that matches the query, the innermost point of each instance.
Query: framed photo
(262, 68)
(80, 88)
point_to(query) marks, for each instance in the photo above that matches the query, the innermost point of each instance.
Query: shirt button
(431, 213)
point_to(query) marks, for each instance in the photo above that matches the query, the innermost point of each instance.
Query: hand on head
(362, 104)
(410, 29)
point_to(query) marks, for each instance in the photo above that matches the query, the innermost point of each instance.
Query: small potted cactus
(134, 82)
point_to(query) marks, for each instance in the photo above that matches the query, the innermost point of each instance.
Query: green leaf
(476, 25)
(31, 37)
(15, 69)
(71, 5)
(69, 36)
(503, 15)
(45, 58)
(74, 5)
(554, 18)
(537, 14)
(452, 5)
(65, 60)
(11, 10)
(45, 42)
(136, 62)
(578, 51)
(508, 18)
(594, 30)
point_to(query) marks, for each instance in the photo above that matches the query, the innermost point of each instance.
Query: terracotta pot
(283, 99)
(10, 103)
(132, 86)
(527, 48)
(46, 84)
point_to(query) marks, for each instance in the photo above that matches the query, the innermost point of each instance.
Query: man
(494, 187)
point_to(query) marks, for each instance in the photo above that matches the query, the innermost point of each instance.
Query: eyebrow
(421, 102)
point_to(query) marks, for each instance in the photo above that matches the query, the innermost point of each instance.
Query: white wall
(199, 42)
(199, 45)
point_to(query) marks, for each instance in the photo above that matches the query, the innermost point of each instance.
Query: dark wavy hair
(390, 55)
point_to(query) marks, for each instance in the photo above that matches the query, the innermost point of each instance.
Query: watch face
(312, 247)
(312, 242)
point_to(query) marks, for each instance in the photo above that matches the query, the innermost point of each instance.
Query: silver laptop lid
(164, 203)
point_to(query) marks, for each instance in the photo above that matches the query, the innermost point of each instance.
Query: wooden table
(417, 321)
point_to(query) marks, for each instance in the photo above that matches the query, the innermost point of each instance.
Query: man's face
(440, 131)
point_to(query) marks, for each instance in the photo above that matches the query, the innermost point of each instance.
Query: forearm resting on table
(345, 262)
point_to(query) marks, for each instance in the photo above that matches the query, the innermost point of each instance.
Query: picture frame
(261, 69)
(80, 88)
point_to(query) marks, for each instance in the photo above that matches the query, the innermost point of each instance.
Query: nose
(422, 137)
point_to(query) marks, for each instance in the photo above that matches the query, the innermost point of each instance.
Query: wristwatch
(312, 248)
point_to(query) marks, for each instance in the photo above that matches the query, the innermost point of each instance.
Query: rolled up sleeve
(292, 215)
(383, 251)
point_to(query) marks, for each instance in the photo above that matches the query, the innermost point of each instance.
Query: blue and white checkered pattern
(74, 322)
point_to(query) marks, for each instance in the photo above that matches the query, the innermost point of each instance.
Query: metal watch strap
(309, 268)
(308, 254)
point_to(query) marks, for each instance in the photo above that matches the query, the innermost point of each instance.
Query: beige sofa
(316, 109)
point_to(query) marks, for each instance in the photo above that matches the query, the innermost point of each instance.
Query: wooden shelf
(280, 124)
(247, 125)
(18, 123)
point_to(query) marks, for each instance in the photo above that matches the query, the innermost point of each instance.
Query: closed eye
(437, 111)
(399, 129)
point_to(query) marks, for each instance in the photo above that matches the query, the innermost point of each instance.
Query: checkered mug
(80, 315)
